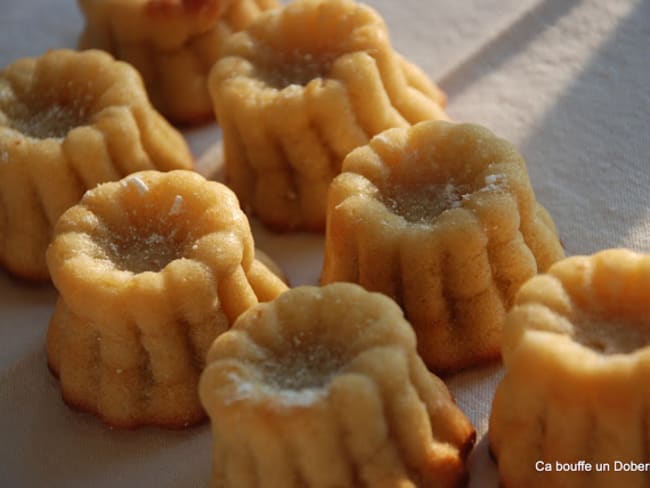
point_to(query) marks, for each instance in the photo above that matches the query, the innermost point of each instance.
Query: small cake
(442, 218)
(173, 43)
(69, 121)
(300, 88)
(150, 270)
(576, 351)
(323, 387)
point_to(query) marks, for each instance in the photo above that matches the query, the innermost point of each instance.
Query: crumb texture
(442, 218)
(576, 349)
(172, 43)
(150, 269)
(68, 122)
(324, 388)
(296, 91)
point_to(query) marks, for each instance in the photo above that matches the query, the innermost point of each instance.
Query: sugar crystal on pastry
(150, 270)
(576, 350)
(442, 218)
(323, 387)
(69, 121)
(300, 88)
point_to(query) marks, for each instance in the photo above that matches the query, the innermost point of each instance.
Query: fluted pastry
(69, 121)
(442, 218)
(323, 387)
(173, 43)
(576, 351)
(299, 89)
(150, 270)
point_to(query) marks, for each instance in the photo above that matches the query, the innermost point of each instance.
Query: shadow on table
(53, 445)
(594, 143)
(588, 155)
(504, 45)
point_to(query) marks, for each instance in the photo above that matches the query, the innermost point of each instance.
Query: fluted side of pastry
(299, 89)
(150, 270)
(173, 44)
(323, 387)
(576, 351)
(442, 218)
(69, 121)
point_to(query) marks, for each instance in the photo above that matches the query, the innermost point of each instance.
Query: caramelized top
(53, 121)
(298, 68)
(611, 335)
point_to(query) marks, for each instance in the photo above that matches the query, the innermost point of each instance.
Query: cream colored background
(567, 81)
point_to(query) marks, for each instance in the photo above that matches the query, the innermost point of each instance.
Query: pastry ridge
(69, 121)
(325, 387)
(297, 90)
(150, 270)
(576, 351)
(172, 43)
(442, 218)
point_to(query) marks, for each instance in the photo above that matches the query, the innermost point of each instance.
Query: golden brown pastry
(442, 218)
(274, 267)
(150, 270)
(173, 43)
(299, 89)
(69, 121)
(576, 351)
(323, 387)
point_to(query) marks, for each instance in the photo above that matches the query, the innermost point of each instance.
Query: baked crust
(150, 270)
(323, 387)
(300, 88)
(442, 218)
(68, 121)
(576, 350)
(172, 43)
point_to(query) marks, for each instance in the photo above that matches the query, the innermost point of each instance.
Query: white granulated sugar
(494, 182)
(301, 377)
(490, 179)
(291, 90)
(296, 69)
(177, 205)
(154, 240)
(422, 204)
(451, 197)
(89, 219)
(53, 122)
(301, 398)
(137, 182)
(243, 388)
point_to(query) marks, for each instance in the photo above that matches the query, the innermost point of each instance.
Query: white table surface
(566, 81)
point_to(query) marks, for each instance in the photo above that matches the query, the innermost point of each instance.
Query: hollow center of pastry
(609, 336)
(423, 203)
(303, 367)
(50, 121)
(297, 68)
(138, 251)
